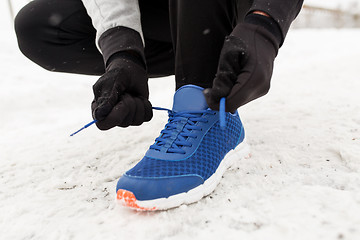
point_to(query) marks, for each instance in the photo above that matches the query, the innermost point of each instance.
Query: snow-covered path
(302, 182)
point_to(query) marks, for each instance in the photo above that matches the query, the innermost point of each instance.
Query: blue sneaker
(187, 160)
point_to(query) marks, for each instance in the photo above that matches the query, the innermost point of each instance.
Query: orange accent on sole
(128, 199)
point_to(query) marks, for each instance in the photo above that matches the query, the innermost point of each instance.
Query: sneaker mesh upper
(204, 162)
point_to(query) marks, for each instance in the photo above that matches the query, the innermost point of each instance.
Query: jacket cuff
(121, 39)
(268, 23)
(282, 11)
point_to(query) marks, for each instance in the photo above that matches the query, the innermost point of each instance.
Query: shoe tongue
(189, 98)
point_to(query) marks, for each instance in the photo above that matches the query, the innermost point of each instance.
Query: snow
(302, 181)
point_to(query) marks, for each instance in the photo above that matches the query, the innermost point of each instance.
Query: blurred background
(329, 14)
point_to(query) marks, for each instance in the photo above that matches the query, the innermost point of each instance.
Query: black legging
(58, 35)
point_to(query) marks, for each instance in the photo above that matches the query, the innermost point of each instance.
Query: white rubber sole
(127, 198)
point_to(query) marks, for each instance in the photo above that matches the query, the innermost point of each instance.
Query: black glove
(245, 67)
(121, 94)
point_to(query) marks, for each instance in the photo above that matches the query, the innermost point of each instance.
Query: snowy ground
(302, 182)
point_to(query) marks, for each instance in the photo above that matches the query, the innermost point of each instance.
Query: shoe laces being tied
(181, 126)
(166, 142)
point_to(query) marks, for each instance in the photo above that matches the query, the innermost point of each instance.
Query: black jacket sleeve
(282, 11)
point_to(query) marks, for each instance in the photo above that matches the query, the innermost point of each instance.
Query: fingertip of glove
(148, 111)
(208, 94)
(101, 126)
(211, 102)
(98, 115)
(207, 91)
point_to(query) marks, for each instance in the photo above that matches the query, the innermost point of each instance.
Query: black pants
(182, 37)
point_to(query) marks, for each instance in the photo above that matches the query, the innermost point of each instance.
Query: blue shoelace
(180, 127)
(174, 118)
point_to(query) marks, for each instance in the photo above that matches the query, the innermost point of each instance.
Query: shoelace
(222, 115)
(180, 127)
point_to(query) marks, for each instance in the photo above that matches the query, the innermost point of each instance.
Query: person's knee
(30, 28)
(25, 26)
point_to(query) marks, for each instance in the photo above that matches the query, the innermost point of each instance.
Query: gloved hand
(245, 67)
(121, 94)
